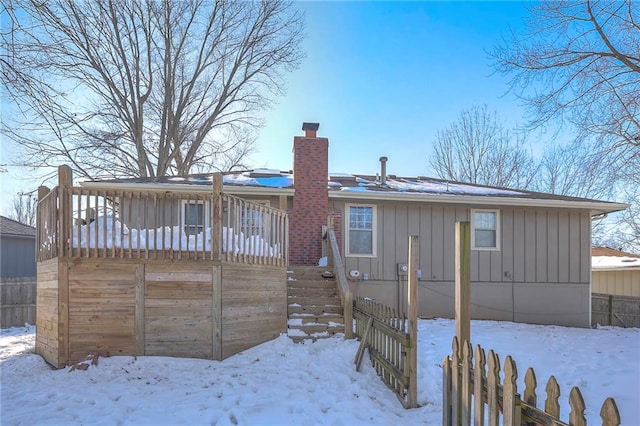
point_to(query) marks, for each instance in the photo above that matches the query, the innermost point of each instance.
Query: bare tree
(577, 66)
(574, 169)
(478, 149)
(145, 88)
(24, 208)
(578, 62)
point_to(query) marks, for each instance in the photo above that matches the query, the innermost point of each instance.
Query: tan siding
(506, 246)
(518, 245)
(552, 247)
(585, 247)
(617, 282)
(564, 247)
(425, 242)
(575, 247)
(542, 244)
(530, 264)
(389, 241)
(449, 243)
(437, 244)
(401, 239)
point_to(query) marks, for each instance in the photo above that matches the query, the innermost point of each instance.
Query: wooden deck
(104, 285)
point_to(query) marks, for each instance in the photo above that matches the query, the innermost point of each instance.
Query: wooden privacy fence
(389, 344)
(609, 309)
(17, 301)
(149, 224)
(473, 391)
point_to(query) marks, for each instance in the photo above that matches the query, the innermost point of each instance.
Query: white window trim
(473, 229)
(374, 225)
(183, 216)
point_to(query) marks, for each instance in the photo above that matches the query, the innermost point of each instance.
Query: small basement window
(361, 230)
(485, 229)
(194, 217)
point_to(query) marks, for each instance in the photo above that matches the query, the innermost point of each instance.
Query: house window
(254, 222)
(361, 231)
(485, 229)
(194, 217)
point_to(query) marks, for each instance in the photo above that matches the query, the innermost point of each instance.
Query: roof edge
(596, 207)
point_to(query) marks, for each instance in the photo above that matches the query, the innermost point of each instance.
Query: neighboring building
(530, 258)
(615, 272)
(17, 249)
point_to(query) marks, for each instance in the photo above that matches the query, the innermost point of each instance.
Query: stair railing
(346, 296)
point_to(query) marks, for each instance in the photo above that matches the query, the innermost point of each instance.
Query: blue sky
(381, 78)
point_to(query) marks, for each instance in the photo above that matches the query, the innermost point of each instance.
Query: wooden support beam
(216, 216)
(139, 309)
(363, 344)
(216, 317)
(412, 313)
(463, 281)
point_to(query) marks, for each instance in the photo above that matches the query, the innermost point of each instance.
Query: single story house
(531, 252)
(17, 249)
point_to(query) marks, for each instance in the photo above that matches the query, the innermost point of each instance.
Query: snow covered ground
(280, 382)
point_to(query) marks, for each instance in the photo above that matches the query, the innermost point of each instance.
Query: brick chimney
(311, 199)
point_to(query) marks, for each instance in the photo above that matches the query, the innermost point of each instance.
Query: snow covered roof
(366, 187)
(604, 258)
(615, 262)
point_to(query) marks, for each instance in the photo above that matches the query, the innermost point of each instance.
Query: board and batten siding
(540, 274)
(620, 282)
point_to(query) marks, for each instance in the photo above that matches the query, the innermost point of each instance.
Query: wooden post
(65, 211)
(463, 281)
(65, 214)
(412, 312)
(216, 217)
(139, 309)
(216, 312)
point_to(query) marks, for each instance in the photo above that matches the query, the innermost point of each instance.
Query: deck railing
(149, 224)
(47, 230)
(346, 295)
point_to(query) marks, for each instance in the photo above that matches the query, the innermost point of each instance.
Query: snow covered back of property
(284, 383)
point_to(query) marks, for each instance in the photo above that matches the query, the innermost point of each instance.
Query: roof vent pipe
(383, 170)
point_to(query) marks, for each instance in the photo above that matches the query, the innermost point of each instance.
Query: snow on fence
(385, 333)
(473, 392)
(92, 223)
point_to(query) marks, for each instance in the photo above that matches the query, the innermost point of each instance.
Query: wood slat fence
(472, 391)
(609, 309)
(149, 224)
(17, 301)
(389, 345)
